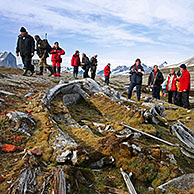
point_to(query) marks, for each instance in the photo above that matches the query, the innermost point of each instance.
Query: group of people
(177, 84)
(26, 48)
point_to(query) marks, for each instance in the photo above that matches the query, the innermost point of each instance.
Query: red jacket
(184, 81)
(173, 86)
(107, 70)
(75, 61)
(56, 54)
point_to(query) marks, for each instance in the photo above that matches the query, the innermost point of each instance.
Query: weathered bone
(26, 183)
(184, 134)
(128, 182)
(71, 88)
(184, 182)
(23, 122)
(148, 135)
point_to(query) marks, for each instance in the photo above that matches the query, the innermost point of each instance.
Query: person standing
(85, 65)
(94, 64)
(26, 47)
(75, 62)
(171, 86)
(136, 73)
(107, 73)
(56, 59)
(184, 87)
(155, 80)
(43, 48)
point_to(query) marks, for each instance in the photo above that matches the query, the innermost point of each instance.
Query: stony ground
(90, 131)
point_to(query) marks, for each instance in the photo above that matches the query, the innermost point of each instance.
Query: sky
(118, 31)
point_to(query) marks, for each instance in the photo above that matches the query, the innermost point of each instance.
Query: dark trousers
(156, 92)
(27, 61)
(138, 90)
(107, 80)
(87, 68)
(182, 99)
(93, 72)
(172, 94)
(75, 70)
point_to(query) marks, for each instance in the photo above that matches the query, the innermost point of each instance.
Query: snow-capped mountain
(7, 59)
(70, 69)
(124, 70)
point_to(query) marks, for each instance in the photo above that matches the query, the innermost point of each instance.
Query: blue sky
(118, 31)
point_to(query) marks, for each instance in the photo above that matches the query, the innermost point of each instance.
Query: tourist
(26, 47)
(107, 73)
(136, 73)
(85, 65)
(56, 59)
(43, 48)
(75, 62)
(171, 86)
(184, 87)
(154, 81)
(94, 63)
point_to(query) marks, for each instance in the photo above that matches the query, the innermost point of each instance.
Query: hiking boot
(40, 72)
(51, 70)
(31, 73)
(25, 72)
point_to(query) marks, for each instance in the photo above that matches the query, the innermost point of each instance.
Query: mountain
(7, 59)
(70, 69)
(124, 70)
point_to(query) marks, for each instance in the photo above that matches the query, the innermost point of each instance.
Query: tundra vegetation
(62, 136)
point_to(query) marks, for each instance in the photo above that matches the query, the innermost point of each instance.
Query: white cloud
(118, 23)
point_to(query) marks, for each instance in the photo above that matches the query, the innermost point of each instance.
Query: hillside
(60, 135)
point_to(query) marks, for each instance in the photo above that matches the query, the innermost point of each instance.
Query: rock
(8, 148)
(184, 182)
(23, 122)
(37, 151)
(1, 179)
(103, 162)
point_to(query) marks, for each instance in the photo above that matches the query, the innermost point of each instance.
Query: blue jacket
(136, 77)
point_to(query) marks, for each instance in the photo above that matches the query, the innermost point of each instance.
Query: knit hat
(183, 66)
(23, 29)
(109, 64)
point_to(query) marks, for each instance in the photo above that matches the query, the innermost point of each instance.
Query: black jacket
(136, 78)
(25, 45)
(86, 61)
(158, 79)
(93, 61)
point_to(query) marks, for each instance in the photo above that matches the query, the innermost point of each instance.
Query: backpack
(47, 46)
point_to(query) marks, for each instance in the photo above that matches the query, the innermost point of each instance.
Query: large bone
(184, 134)
(184, 182)
(148, 135)
(23, 122)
